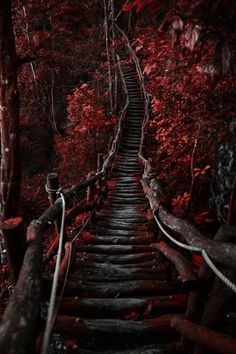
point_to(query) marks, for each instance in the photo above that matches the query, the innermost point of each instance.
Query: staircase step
(119, 308)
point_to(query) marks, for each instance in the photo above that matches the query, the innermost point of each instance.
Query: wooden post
(99, 168)
(52, 188)
(90, 189)
(15, 243)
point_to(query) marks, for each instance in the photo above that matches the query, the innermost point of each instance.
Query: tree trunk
(9, 116)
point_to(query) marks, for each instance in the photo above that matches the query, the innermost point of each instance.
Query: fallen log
(19, 323)
(218, 342)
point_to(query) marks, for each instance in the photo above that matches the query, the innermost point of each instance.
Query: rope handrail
(156, 207)
(204, 254)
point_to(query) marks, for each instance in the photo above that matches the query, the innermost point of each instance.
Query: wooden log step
(130, 259)
(86, 263)
(147, 349)
(127, 151)
(88, 328)
(130, 196)
(133, 140)
(121, 202)
(119, 274)
(127, 179)
(133, 190)
(127, 212)
(116, 182)
(127, 162)
(137, 208)
(122, 184)
(126, 189)
(103, 231)
(122, 289)
(118, 217)
(117, 240)
(120, 228)
(127, 171)
(114, 249)
(125, 167)
(122, 225)
(120, 307)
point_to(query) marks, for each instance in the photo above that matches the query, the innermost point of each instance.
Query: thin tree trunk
(9, 116)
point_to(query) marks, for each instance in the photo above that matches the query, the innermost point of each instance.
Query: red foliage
(188, 79)
(87, 133)
(138, 4)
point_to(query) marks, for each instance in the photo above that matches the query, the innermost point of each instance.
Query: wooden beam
(218, 342)
(221, 252)
(182, 264)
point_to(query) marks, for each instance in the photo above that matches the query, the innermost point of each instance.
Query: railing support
(52, 187)
(99, 168)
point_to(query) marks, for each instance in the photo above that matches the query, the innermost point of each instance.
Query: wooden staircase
(121, 294)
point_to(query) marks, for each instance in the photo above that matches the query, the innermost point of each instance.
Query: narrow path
(124, 290)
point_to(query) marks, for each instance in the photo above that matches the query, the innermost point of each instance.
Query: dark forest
(118, 176)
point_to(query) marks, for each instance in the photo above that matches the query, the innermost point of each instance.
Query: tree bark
(9, 116)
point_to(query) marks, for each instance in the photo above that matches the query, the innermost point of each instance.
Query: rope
(207, 259)
(51, 190)
(50, 317)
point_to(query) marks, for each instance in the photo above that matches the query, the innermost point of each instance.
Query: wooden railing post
(99, 168)
(52, 188)
(90, 189)
(15, 243)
